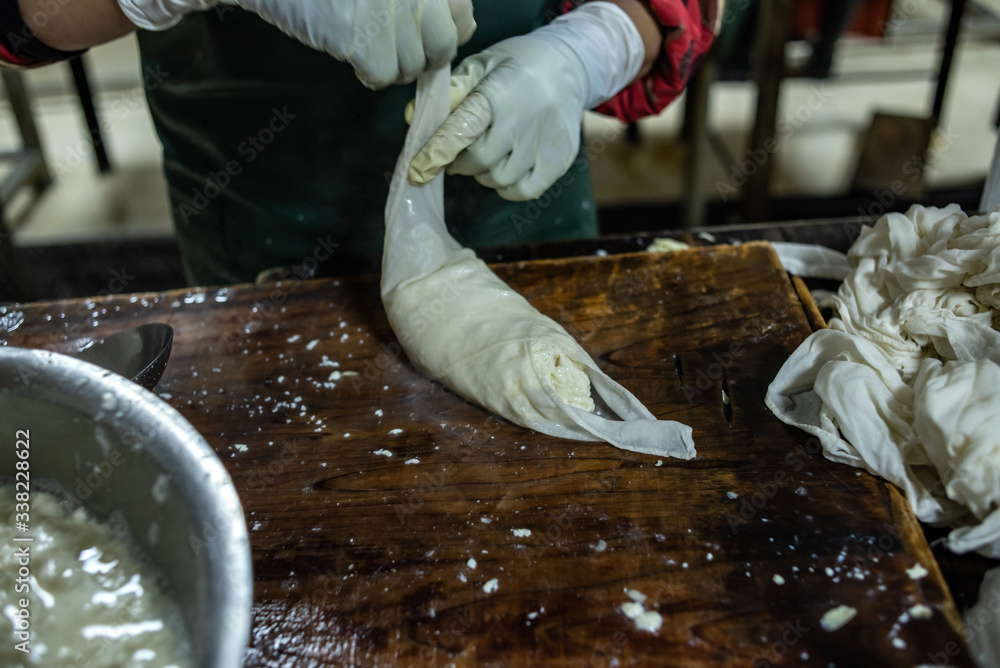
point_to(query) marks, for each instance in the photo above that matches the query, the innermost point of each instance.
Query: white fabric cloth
(906, 381)
(463, 326)
(812, 261)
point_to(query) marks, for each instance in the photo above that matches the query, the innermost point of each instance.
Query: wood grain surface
(389, 519)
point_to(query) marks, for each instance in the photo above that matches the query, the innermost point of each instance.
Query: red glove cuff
(687, 39)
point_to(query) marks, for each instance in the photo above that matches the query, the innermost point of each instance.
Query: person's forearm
(648, 27)
(75, 24)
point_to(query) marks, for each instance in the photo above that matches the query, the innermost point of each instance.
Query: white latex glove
(517, 107)
(386, 41)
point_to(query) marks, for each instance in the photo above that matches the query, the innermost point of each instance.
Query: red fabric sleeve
(688, 37)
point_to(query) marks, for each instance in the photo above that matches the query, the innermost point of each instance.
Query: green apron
(276, 156)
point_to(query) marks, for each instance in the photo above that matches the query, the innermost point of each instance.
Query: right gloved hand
(386, 41)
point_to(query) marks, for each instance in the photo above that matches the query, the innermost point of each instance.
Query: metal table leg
(773, 25)
(82, 83)
(698, 155)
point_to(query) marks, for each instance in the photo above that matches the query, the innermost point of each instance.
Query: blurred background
(805, 110)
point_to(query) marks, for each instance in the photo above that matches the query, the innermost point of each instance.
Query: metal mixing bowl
(120, 449)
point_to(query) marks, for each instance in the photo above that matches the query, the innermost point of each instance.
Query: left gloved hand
(517, 107)
(386, 41)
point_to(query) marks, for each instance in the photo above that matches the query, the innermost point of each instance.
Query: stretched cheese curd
(93, 601)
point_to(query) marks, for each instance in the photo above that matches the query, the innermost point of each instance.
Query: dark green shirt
(277, 156)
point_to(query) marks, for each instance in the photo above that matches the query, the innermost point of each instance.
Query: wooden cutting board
(394, 524)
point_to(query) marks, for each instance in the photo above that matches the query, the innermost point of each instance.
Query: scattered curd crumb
(532, 615)
(521, 533)
(295, 338)
(649, 621)
(732, 495)
(921, 611)
(837, 617)
(917, 572)
(334, 376)
(242, 447)
(899, 643)
(636, 595)
(462, 578)
(659, 462)
(384, 453)
(645, 620)
(471, 563)
(281, 379)
(347, 435)
(312, 344)
(632, 609)
(395, 432)
(485, 520)
(412, 461)
(600, 546)
(378, 412)
(710, 556)
(491, 586)
(778, 580)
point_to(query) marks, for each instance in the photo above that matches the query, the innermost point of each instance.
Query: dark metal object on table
(139, 353)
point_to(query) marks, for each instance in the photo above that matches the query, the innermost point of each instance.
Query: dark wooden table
(394, 524)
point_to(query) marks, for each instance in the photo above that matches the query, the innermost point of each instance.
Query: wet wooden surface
(389, 520)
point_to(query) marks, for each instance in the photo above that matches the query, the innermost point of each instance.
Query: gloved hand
(386, 41)
(518, 106)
